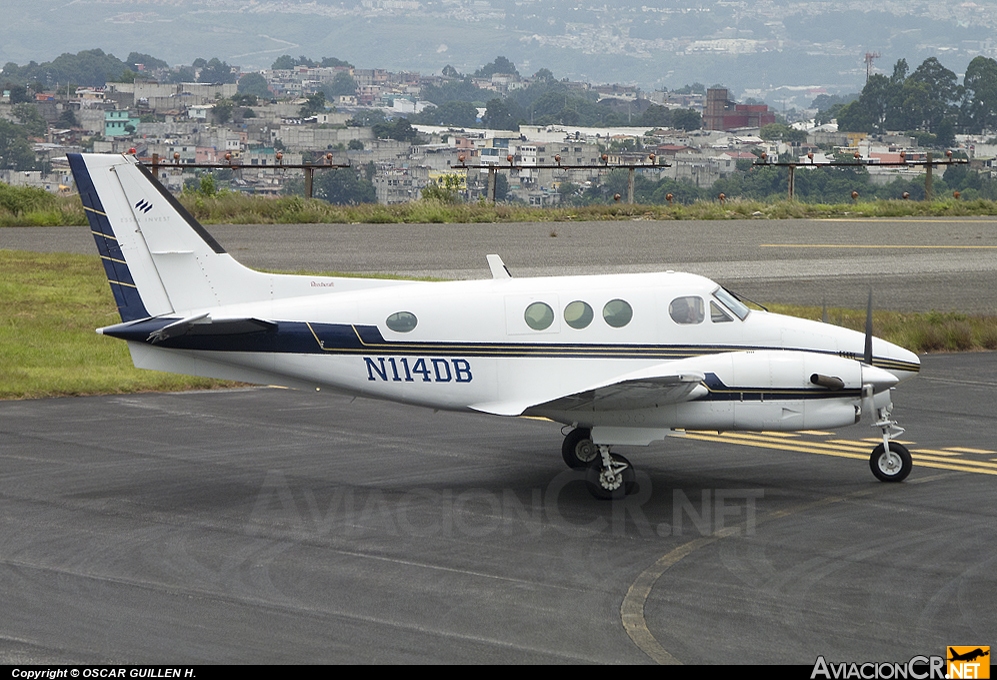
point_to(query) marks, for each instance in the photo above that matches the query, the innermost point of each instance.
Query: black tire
(884, 471)
(608, 489)
(577, 449)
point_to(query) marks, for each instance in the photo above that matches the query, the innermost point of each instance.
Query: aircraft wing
(644, 392)
(646, 388)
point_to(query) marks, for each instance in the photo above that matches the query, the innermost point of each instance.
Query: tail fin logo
(144, 205)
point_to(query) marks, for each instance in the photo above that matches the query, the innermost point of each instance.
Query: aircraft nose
(897, 361)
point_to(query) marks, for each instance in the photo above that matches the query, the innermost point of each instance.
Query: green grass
(50, 305)
(34, 207)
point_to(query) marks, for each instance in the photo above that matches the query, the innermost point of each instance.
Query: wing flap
(646, 388)
(635, 393)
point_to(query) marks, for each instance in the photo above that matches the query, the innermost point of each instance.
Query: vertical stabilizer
(158, 258)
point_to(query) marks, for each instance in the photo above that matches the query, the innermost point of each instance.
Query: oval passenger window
(539, 316)
(578, 314)
(402, 322)
(617, 313)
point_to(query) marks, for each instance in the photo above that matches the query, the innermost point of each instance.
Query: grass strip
(18, 208)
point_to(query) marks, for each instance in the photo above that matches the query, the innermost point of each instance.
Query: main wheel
(578, 450)
(607, 485)
(893, 466)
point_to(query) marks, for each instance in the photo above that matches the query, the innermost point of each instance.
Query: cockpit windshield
(732, 303)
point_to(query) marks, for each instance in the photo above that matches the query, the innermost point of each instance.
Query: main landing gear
(890, 461)
(608, 476)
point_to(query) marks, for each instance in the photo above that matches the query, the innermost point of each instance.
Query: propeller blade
(867, 358)
(823, 311)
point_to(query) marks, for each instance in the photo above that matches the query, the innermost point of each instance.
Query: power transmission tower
(869, 58)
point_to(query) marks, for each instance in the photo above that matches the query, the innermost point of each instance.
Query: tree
(367, 118)
(781, 132)
(15, 152)
(222, 111)
(332, 62)
(313, 105)
(498, 116)
(687, 119)
(342, 186)
(457, 114)
(400, 130)
(445, 189)
(342, 85)
(68, 118)
(979, 104)
(148, 61)
(930, 95)
(500, 65)
(544, 75)
(216, 71)
(255, 84)
(29, 117)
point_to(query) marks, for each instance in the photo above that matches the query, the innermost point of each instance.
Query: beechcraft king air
(622, 359)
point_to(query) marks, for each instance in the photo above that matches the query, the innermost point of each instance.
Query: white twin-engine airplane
(623, 359)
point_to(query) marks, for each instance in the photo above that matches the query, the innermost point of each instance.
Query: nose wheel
(891, 465)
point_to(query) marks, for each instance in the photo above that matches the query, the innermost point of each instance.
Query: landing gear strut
(890, 461)
(608, 476)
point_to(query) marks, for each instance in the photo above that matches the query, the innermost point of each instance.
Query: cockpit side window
(732, 303)
(717, 314)
(687, 310)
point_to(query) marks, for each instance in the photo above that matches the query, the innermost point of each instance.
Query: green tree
(400, 130)
(457, 114)
(313, 105)
(29, 117)
(687, 119)
(367, 118)
(500, 65)
(222, 111)
(147, 60)
(342, 85)
(332, 62)
(930, 95)
(216, 71)
(342, 186)
(68, 118)
(15, 152)
(979, 104)
(446, 189)
(255, 84)
(781, 132)
(499, 116)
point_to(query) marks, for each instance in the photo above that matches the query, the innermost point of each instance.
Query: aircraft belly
(249, 367)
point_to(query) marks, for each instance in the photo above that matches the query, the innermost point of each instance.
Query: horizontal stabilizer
(157, 330)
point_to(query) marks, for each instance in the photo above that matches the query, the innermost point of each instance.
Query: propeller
(867, 357)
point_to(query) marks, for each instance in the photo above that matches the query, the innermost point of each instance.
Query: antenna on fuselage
(497, 267)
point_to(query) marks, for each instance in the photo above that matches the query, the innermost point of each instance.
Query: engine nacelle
(775, 390)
